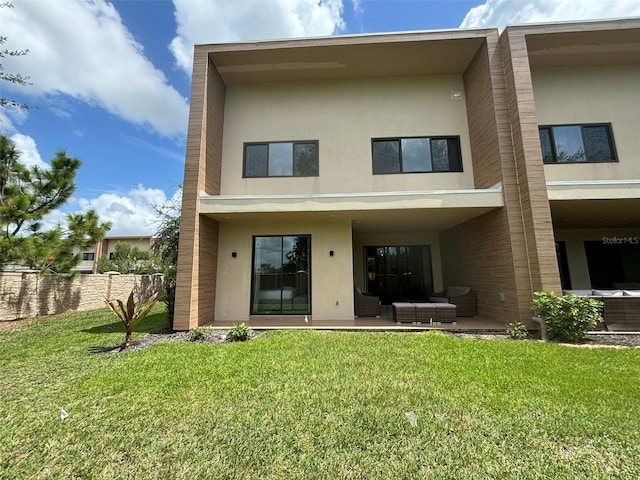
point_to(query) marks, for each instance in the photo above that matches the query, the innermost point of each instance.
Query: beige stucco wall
(331, 277)
(576, 257)
(343, 116)
(25, 294)
(581, 95)
(432, 239)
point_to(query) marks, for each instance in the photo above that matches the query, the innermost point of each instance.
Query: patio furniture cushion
(467, 303)
(426, 312)
(457, 291)
(446, 312)
(404, 312)
(579, 293)
(607, 293)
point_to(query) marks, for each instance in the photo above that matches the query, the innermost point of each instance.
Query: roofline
(438, 34)
(351, 39)
(575, 26)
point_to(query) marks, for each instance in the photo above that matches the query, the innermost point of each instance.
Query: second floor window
(416, 155)
(88, 256)
(577, 143)
(281, 159)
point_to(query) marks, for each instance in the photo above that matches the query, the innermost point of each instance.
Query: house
(89, 263)
(405, 163)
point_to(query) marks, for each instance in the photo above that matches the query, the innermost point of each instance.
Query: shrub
(517, 330)
(568, 318)
(239, 333)
(133, 311)
(198, 334)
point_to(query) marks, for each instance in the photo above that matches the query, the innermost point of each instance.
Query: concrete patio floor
(384, 322)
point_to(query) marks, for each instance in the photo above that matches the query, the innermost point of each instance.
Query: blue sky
(111, 80)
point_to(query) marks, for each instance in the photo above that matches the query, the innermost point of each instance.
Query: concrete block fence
(26, 294)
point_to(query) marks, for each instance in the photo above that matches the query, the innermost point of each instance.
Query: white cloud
(82, 49)
(499, 13)
(131, 213)
(10, 116)
(209, 21)
(29, 154)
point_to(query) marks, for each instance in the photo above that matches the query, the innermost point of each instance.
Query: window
(416, 155)
(281, 159)
(88, 256)
(577, 143)
(281, 275)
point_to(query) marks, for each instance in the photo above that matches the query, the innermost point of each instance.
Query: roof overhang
(598, 43)
(346, 57)
(368, 212)
(595, 204)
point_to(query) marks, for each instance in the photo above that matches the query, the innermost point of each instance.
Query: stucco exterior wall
(331, 276)
(582, 95)
(343, 116)
(25, 294)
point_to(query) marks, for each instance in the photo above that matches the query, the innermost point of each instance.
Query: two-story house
(405, 163)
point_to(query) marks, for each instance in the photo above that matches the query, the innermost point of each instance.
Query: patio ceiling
(400, 221)
(609, 213)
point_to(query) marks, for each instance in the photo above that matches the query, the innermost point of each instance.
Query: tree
(11, 77)
(165, 246)
(127, 259)
(27, 195)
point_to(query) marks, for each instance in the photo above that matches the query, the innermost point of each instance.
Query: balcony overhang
(593, 189)
(385, 211)
(595, 203)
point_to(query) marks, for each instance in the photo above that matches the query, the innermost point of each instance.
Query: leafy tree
(126, 259)
(11, 77)
(165, 246)
(27, 195)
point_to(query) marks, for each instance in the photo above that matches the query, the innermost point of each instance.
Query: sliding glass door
(399, 273)
(281, 282)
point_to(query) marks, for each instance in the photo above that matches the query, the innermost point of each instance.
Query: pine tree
(27, 195)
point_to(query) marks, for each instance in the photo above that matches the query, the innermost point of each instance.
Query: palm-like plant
(133, 311)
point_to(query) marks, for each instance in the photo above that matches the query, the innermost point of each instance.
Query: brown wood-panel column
(197, 253)
(531, 183)
(493, 253)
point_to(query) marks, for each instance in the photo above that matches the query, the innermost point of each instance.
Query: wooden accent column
(501, 251)
(531, 183)
(198, 249)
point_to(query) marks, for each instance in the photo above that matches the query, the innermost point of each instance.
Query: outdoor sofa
(621, 308)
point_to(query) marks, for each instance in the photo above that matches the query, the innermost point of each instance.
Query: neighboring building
(407, 163)
(90, 258)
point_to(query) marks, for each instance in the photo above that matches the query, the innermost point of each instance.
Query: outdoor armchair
(462, 297)
(366, 305)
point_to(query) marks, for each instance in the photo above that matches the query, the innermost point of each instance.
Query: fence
(26, 294)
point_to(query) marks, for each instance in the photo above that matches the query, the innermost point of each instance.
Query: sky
(110, 80)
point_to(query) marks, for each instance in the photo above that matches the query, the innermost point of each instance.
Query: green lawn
(312, 405)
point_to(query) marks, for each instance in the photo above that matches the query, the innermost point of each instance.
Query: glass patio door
(399, 273)
(281, 280)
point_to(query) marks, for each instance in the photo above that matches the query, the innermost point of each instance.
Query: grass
(312, 405)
